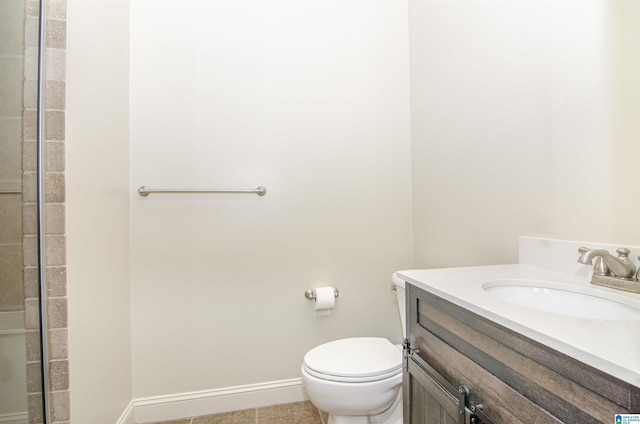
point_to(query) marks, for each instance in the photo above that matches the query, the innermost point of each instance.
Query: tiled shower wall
(55, 243)
(12, 58)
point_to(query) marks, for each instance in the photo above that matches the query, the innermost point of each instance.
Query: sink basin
(565, 299)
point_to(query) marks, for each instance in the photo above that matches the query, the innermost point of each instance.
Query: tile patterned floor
(288, 413)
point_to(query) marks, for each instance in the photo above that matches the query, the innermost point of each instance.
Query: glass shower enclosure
(22, 376)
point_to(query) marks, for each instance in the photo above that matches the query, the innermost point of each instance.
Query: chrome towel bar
(144, 191)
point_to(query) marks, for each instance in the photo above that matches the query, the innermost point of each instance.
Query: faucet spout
(620, 267)
(587, 255)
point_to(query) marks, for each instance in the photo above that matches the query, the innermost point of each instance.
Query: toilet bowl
(357, 380)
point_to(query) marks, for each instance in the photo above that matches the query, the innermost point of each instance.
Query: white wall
(523, 115)
(97, 210)
(308, 98)
(524, 122)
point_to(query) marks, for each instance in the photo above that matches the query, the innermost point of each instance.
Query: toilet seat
(355, 360)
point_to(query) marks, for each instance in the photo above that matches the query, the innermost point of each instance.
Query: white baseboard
(185, 405)
(127, 416)
(15, 418)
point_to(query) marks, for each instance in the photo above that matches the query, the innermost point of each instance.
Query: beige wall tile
(60, 406)
(54, 125)
(34, 404)
(55, 187)
(30, 250)
(54, 216)
(26, 130)
(11, 148)
(32, 8)
(29, 187)
(57, 311)
(32, 339)
(11, 276)
(56, 250)
(30, 93)
(29, 125)
(11, 218)
(58, 343)
(55, 95)
(59, 375)
(34, 377)
(32, 314)
(11, 75)
(57, 281)
(29, 156)
(31, 61)
(56, 9)
(55, 156)
(31, 32)
(56, 33)
(31, 287)
(56, 64)
(29, 218)
(55, 75)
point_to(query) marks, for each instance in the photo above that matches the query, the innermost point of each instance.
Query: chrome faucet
(610, 271)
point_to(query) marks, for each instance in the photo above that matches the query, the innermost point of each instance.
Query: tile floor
(288, 413)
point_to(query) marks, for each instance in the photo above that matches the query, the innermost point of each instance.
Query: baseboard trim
(127, 416)
(193, 404)
(14, 418)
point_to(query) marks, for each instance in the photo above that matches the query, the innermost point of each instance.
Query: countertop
(607, 345)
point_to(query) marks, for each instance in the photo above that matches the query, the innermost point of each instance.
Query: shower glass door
(20, 353)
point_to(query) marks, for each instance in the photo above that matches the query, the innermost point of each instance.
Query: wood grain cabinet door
(430, 399)
(426, 400)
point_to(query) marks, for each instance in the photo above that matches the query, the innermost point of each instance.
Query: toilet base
(393, 415)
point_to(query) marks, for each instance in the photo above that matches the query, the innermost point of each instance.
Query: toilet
(358, 380)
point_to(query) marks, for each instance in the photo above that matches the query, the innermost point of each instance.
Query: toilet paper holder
(311, 293)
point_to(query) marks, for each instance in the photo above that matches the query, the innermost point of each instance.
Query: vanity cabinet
(509, 377)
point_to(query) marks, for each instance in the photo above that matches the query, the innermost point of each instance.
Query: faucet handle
(623, 252)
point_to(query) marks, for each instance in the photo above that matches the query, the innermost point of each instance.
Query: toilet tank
(399, 284)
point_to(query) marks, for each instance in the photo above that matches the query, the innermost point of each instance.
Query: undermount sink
(565, 299)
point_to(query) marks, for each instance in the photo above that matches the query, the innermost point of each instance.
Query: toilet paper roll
(325, 299)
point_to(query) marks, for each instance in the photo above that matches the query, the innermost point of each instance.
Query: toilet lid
(361, 358)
